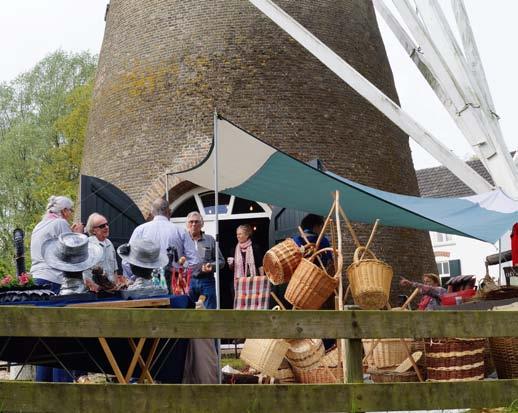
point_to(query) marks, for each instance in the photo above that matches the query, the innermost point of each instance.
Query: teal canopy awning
(252, 169)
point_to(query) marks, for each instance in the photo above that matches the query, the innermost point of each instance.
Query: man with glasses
(202, 280)
(99, 230)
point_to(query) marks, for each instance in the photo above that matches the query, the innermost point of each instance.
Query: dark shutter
(455, 268)
(118, 208)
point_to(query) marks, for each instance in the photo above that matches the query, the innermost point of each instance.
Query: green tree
(43, 115)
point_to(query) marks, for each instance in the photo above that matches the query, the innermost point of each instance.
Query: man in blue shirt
(166, 234)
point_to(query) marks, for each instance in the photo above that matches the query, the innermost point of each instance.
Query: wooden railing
(351, 325)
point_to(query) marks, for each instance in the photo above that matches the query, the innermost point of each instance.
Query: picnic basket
(389, 352)
(310, 286)
(455, 359)
(281, 260)
(369, 280)
(328, 370)
(265, 355)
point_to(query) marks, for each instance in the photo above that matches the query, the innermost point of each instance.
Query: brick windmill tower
(165, 65)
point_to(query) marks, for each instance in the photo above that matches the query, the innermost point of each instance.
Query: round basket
(281, 260)
(305, 353)
(370, 281)
(310, 286)
(504, 351)
(391, 376)
(265, 355)
(455, 359)
(319, 374)
(389, 352)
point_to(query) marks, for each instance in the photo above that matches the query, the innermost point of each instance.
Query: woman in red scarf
(430, 289)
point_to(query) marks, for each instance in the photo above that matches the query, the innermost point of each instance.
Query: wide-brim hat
(71, 252)
(143, 253)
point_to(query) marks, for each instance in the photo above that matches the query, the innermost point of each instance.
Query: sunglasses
(102, 226)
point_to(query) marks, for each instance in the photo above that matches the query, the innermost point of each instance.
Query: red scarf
(240, 266)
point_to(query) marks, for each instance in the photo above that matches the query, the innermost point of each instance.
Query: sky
(31, 29)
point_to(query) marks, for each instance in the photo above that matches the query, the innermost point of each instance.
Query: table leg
(112, 361)
(136, 354)
(141, 363)
(152, 351)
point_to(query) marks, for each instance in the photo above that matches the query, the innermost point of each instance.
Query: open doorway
(232, 212)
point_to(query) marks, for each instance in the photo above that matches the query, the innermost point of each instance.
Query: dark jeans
(206, 287)
(50, 374)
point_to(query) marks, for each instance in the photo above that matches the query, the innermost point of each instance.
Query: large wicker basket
(370, 281)
(504, 351)
(454, 359)
(389, 352)
(305, 353)
(328, 370)
(281, 260)
(265, 355)
(310, 286)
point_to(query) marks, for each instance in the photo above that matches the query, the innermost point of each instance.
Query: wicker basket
(280, 261)
(504, 351)
(319, 374)
(391, 376)
(370, 281)
(310, 286)
(389, 352)
(285, 375)
(453, 359)
(265, 355)
(305, 353)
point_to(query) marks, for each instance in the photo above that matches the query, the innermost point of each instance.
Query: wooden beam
(19, 321)
(51, 397)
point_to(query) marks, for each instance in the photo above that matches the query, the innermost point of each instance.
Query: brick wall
(165, 65)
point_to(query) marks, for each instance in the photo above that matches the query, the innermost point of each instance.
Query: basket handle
(360, 249)
(339, 259)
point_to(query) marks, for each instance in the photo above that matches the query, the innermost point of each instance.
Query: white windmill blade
(499, 165)
(468, 116)
(471, 51)
(373, 95)
(414, 52)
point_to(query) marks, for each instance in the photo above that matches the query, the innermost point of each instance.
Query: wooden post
(353, 360)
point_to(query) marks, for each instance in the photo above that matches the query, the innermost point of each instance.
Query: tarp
(252, 169)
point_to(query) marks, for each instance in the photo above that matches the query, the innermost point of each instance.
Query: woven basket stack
(455, 359)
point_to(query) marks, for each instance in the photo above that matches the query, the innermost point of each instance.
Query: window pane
(209, 201)
(244, 206)
(185, 207)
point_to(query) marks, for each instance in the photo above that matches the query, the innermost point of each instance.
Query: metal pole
(500, 261)
(216, 216)
(167, 187)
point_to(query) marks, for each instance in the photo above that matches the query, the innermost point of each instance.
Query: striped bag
(251, 293)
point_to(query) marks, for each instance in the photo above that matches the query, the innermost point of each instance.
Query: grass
(237, 364)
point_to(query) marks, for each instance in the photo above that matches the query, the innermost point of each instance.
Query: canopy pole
(216, 216)
(500, 261)
(167, 187)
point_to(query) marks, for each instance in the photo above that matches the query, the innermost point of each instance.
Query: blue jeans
(54, 287)
(206, 287)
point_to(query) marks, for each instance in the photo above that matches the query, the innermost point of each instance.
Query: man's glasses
(193, 222)
(102, 226)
